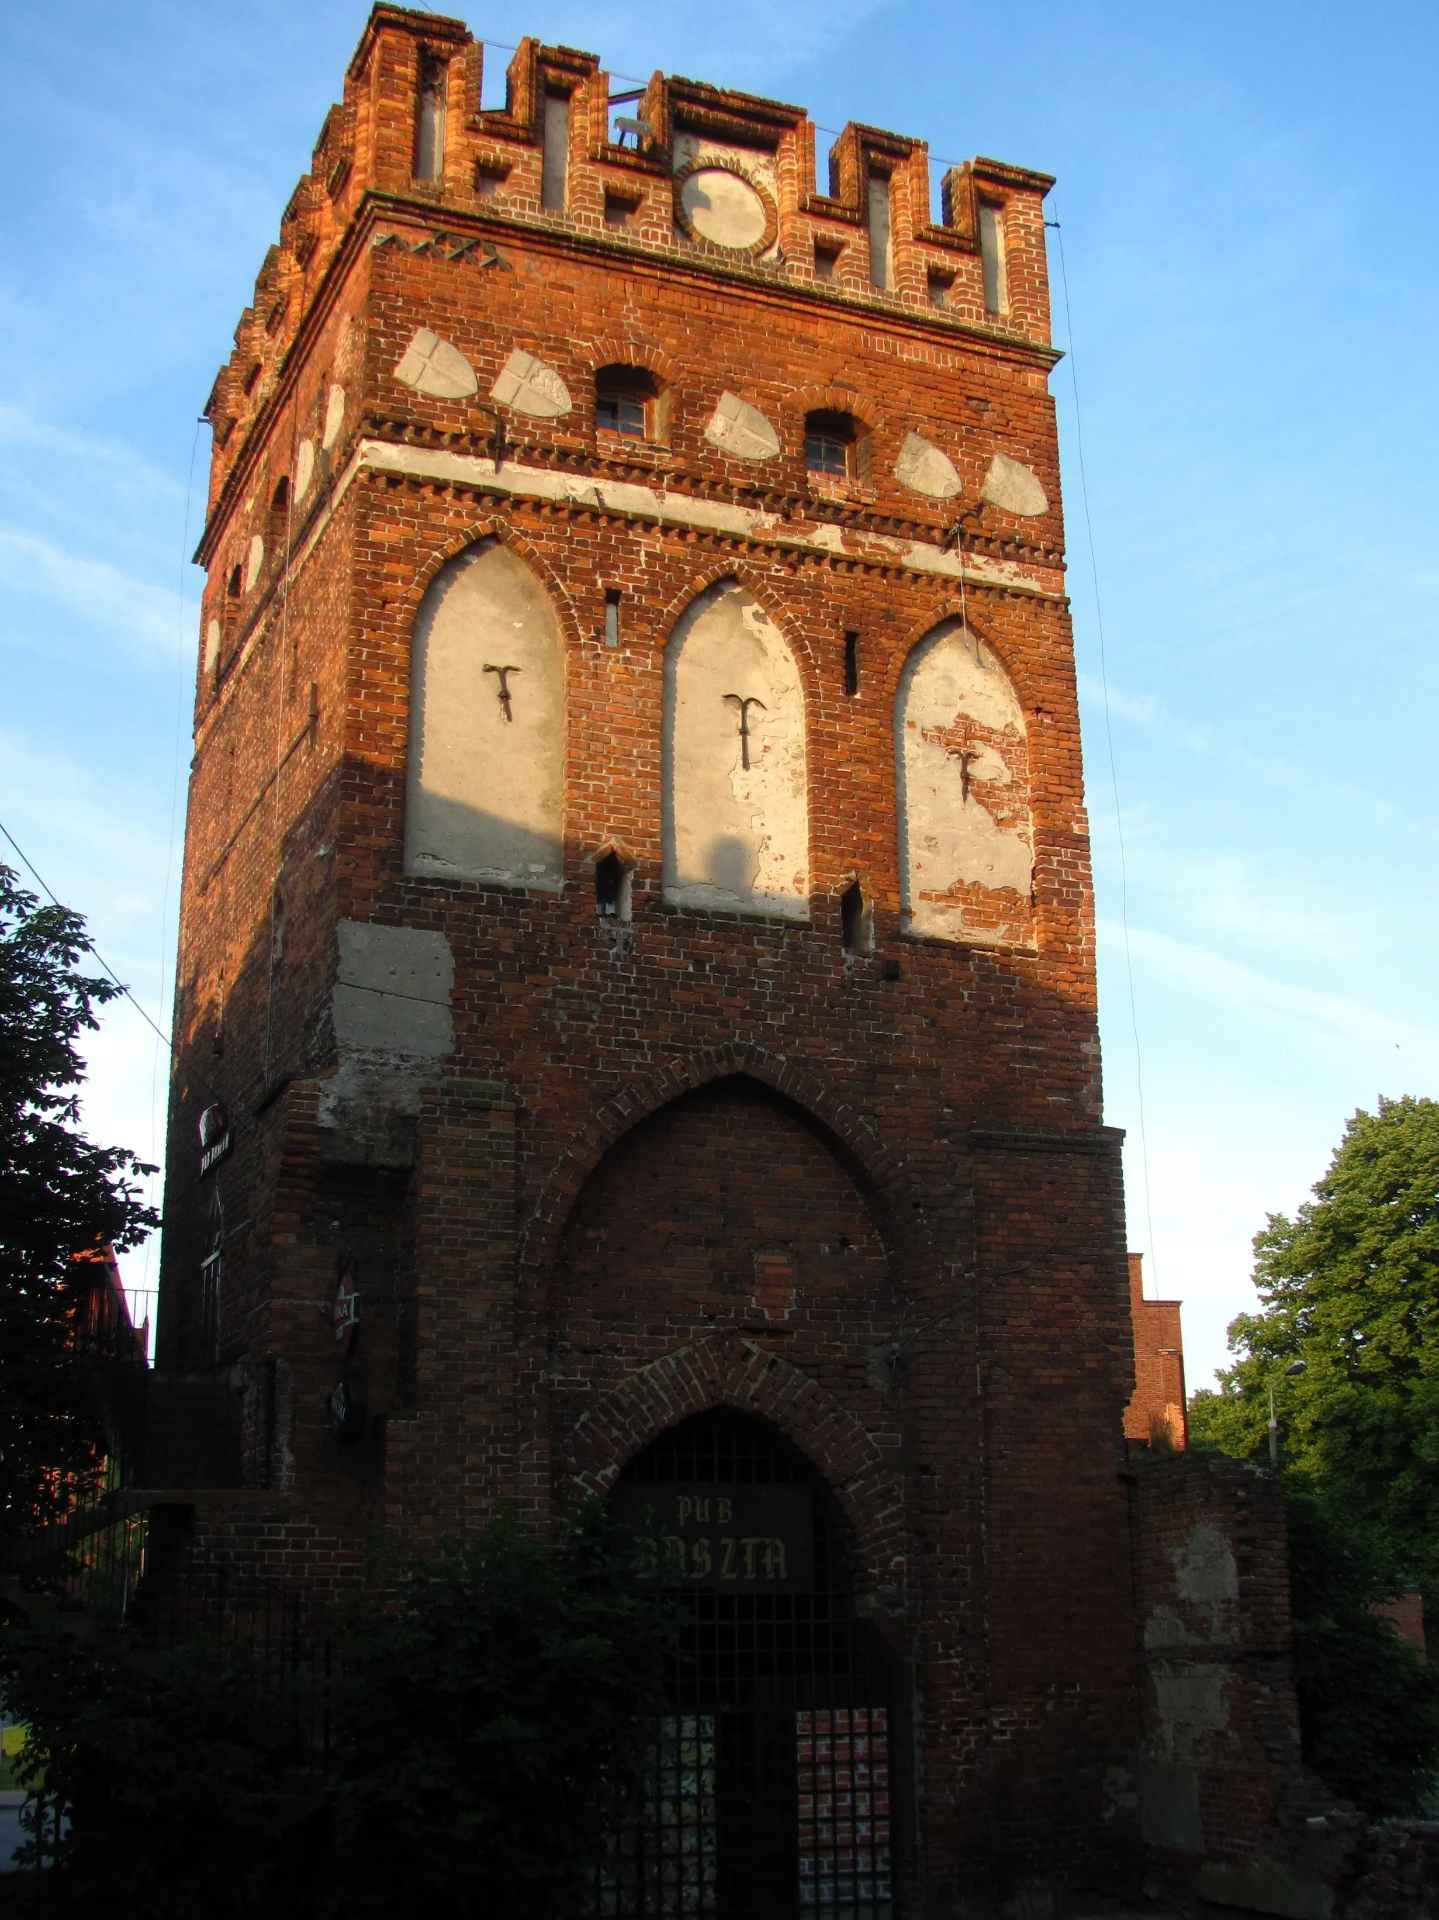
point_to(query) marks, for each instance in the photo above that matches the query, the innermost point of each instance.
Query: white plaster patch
(961, 752)
(334, 417)
(1012, 486)
(741, 429)
(212, 646)
(736, 837)
(926, 468)
(304, 469)
(530, 386)
(431, 365)
(723, 208)
(759, 166)
(254, 560)
(486, 746)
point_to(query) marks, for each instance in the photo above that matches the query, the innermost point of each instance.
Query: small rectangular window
(612, 617)
(826, 259)
(618, 413)
(824, 454)
(881, 272)
(430, 123)
(556, 164)
(939, 286)
(851, 664)
(991, 253)
(618, 212)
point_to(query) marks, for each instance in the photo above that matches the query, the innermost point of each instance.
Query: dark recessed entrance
(768, 1792)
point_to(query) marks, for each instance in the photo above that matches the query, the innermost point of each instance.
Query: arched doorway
(767, 1793)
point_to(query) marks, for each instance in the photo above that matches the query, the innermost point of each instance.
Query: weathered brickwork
(597, 1171)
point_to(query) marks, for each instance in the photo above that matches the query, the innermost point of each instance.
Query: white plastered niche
(962, 769)
(486, 746)
(736, 838)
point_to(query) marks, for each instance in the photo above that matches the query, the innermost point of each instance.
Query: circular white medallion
(723, 208)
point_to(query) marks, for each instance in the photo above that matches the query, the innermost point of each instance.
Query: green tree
(488, 1712)
(59, 1195)
(1350, 1286)
(171, 1770)
(1368, 1705)
(493, 1721)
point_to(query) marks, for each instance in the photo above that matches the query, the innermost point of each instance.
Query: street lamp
(1295, 1367)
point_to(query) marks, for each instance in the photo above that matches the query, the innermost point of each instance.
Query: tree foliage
(488, 1714)
(1368, 1705)
(1351, 1287)
(59, 1195)
(493, 1721)
(171, 1771)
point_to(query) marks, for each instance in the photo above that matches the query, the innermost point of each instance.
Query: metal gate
(767, 1792)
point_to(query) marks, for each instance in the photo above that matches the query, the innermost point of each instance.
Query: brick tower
(636, 1010)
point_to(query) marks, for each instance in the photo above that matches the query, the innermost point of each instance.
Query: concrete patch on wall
(1207, 1579)
(1190, 1705)
(1164, 1628)
(334, 417)
(392, 1025)
(431, 365)
(304, 469)
(393, 990)
(741, 429)
(530, 386)
(487, 717)
(925, 468)
(962, 765)
(1011, 485)
(1169, 1807)
(736, 835)
(1266, 1886)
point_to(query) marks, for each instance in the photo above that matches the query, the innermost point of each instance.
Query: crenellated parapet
(714, 181)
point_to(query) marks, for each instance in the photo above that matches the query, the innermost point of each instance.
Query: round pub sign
(736, 1539)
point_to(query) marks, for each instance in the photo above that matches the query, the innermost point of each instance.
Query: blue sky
(1249, 230)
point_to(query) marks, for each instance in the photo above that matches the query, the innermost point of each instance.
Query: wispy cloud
(141, 616)
(1332, 792)
(1247, 993)
(20, 428)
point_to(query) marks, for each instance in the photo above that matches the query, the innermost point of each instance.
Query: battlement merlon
(621, 188)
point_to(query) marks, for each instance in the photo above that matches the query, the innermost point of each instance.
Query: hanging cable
(1109, 741)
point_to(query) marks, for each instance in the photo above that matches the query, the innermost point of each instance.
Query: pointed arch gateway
(487, 715)
(719, 1234)
(768, 1790)
(736, 807)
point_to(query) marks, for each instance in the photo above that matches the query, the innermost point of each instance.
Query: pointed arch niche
(962, 766)
(487, 708)
(736, 808)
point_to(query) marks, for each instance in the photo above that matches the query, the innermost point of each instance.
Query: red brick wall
(649, 1135)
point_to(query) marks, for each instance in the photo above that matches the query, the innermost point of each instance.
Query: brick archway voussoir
(723, 1371)
(687, 1074)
